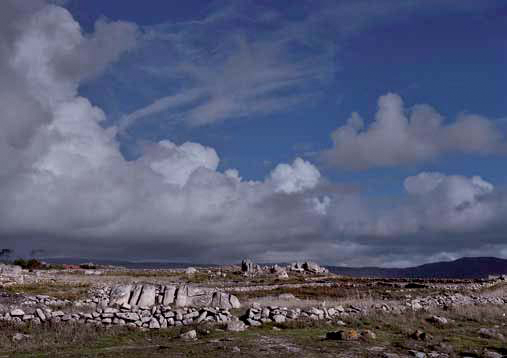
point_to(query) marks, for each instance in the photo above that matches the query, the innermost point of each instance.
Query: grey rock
(439, 320)
(313, 267)
(169, 295)
(147, 298)
(136, 293)
(202, 316)
(10, 270)
(128, 316)
(234, 301)
(19, 337)
(247, 266)
(17, 312)
(120, 294)
(235, 326)
(286, 296)
(154, 324)
(40, 314)
(485, 332)
(491, 354)
(279, 318)
(253, 322)
(189, 336)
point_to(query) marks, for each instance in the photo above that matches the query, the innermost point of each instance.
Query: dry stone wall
(148, 295)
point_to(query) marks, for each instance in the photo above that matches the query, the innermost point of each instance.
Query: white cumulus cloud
(398, 136)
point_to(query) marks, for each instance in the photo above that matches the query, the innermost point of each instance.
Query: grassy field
(63, 291)
(294, 339)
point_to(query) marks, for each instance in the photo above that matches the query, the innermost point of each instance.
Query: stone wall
(148, 295)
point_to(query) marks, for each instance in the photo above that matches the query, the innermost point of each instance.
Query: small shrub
(31, 264)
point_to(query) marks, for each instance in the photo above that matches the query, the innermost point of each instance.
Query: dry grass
(312, 293)
(58, 290)
(295, 339)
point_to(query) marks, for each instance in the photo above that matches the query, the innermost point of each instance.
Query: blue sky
(357, 132)
(452, 60)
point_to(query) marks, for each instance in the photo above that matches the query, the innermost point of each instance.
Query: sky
(353, 132)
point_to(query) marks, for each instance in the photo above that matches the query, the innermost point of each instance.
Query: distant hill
(465, 268)
(123, 263)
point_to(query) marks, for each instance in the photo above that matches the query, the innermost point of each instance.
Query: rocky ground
(247, 310)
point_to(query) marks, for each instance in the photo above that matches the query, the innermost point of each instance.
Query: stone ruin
(250, 268)
(307, 266)
(148, 295)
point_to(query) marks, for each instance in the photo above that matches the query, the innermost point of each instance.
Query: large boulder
(120, 294)
(136, 293)
(313, 267)
(147, 295)
(193, 296)
(147, 298)
(169, 295)
(225, 300)
(296, 266)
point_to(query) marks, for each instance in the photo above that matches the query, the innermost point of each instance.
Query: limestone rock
(120, 294)
(136, 293)
(485, 332)
(439, 320)
(234, 301)
(189, 336)
(286, 296)
(20, 336)
(17, 312)
(147, 298)
(279, 318)
(40, 314)
(10, 270)
(491, 354)
(313, 267)
(154, 324)
(169, 295)
(235, 326)
(247, 266)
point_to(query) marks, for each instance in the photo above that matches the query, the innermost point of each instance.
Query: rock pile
(155, 318)
(308, 266)
(250, 268)
(256, 315)
(450, 300)
(45, 301)
(11, 274)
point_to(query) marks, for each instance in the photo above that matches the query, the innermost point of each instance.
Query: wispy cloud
(229, 65)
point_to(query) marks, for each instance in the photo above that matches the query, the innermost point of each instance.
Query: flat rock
(189, 336)
(17, 312)
(235, 326)
(120, 294)
(147, 298)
